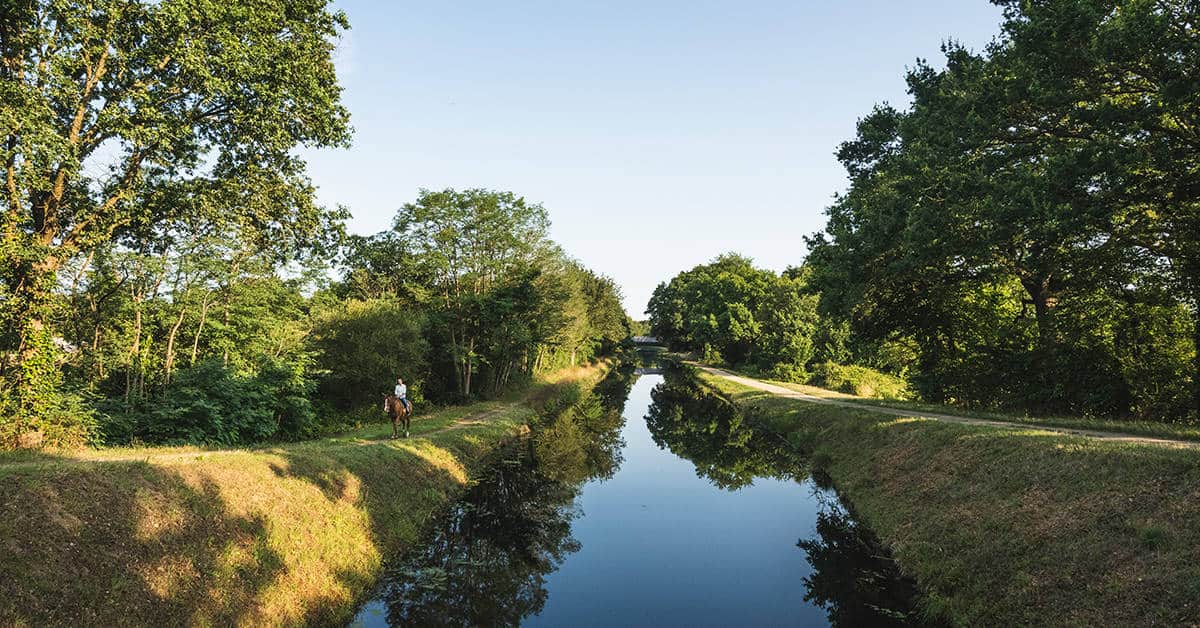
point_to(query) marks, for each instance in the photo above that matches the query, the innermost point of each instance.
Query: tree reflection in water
(854, 577)
(488, 558)
(716, 436)
(486, 561)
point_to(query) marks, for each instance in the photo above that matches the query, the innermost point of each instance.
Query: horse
(397, 411)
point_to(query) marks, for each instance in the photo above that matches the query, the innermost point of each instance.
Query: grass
(1178, 431)
(1156, 429)
(283, 535)
(1012, 526)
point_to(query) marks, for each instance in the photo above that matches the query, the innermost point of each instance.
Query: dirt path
(949, 418)
(471, 420)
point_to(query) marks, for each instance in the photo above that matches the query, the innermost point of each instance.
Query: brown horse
(398, 412)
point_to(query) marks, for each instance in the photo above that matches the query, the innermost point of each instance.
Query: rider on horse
(402, 394)
(398, 408)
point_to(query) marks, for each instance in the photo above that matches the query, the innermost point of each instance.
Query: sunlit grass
(291, 533)
(1141, 428)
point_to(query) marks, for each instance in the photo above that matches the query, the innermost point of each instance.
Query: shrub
(211, 404)
(364, 345)
(68, 421)
(785, 372)
(859, 381)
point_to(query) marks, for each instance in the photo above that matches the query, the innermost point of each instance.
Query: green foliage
(731, 312)
(1024, 235)
(365, 345)
(857, 380)
(210, 404)
(67, 421)
(142, 128)
(497, 299)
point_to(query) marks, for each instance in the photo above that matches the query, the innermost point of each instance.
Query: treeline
(212, 340)
(1025, 235)
(730, 312)
(471, 296)
(165, 270)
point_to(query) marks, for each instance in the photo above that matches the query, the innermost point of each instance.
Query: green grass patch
(859, 381)
(1012, 526)
(291, 534)
(1178, 431)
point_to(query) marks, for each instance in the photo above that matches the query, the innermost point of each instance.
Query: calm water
(650, 503)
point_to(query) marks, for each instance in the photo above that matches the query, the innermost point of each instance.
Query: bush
(210, 404)
(68, 422)
(784, 372)
(364, 345)
(859, 381)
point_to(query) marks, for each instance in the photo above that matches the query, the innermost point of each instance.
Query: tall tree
(107, 99)
(471, 241)
(1122, 77)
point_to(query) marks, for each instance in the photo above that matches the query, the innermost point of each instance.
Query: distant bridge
(645, 340)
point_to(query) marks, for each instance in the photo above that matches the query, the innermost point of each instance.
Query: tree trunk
(1044, 368)
(1196, 357)
(467, 380)
(170, 359)
(1044, 301)
(200, 327)
(37, 373)
(134, 351)
(233, 275)
(96, 352)
(225, 353)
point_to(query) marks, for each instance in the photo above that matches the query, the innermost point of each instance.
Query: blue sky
(657, 134)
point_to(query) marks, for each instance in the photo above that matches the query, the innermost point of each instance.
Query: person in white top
(402, 393)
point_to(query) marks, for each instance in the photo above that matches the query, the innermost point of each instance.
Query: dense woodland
(167, 276)
(1025, 235)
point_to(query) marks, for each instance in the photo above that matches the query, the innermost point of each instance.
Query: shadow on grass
(127, 543)
(282, 535)
(292, 537)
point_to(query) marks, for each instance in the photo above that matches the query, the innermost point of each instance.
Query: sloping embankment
(293, 534)
(1012, 526)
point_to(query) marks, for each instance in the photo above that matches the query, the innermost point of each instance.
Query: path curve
(948, 418)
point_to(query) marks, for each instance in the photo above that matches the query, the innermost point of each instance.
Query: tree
(153, 95)
(1137, 63)
(1036, 201)
(365, 345)
(731, 310)
(470, 241)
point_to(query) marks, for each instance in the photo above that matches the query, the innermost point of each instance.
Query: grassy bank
(1012, 526)
(292, 534)
(1156, 429)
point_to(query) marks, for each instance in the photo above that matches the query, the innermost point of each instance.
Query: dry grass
(281, 535)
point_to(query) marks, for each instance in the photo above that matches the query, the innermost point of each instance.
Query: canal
(652, 502)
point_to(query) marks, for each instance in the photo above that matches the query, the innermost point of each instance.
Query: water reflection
(854, 577)
(490, 558)
(486, 560)
(716, 436)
